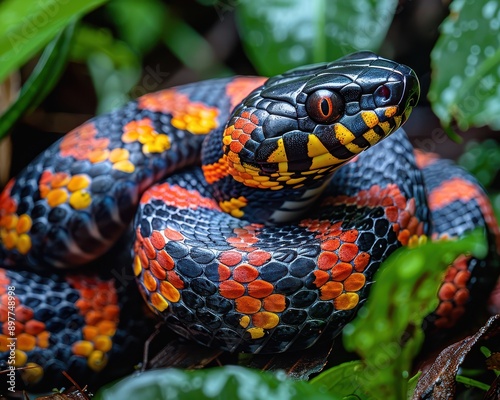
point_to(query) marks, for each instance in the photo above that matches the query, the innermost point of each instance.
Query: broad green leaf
(230, 382)
(387, 333)
(28, 25)
(282, 34)
(41, 81)
(128, 15)
(343, 381)
(465, 84)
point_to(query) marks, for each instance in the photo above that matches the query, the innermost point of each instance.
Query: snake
(251, 212)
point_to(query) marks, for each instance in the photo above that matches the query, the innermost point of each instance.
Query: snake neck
(262, 205)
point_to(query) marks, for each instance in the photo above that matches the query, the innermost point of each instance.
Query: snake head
(300, 126)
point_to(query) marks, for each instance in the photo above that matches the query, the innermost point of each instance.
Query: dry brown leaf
(438, 382)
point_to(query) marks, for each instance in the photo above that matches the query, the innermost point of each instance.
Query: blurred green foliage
(482, 159)
(280, 35)
(465, 84)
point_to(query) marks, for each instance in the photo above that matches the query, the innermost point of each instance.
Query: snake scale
(258, 220)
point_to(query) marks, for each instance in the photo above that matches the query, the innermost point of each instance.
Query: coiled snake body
(267, 247)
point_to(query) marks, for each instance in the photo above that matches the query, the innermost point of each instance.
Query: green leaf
(139, 23)
(465, 84)
(230, 382)
(282, 34)
(342, 381)
(387, 332)
(28, 25)
(43, 78)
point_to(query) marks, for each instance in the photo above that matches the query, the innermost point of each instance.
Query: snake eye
(324, 106)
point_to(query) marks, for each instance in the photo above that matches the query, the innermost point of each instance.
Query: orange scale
(354, 282)
(42, 340)
(348, 251)
(240, 122)
(349, 236)
(361, 261)
(247, 305)
(59, 179)
(244, 138)
(18, 327)
(165, 260)
(330, 290)
(330, 244)
(170, 292)
(157, 270)
(404, 236)
(411, 206)
(346, 301)
(175, 279)
(234, 133)
(245, 273)
(230, 258)
(392, 213)
(413, 224)
(149, 249)
(400, 202)
(111, 312)
(106, 327)
(5, 300)
(24, 313)
(446, 291)
(341, 271)
(87, 293)
(45, 177)
(258, 257)
(321, 277)
(462, 278)
(4, 313)
(93, 317)
(274, 303)
(404, 218)
(444, 308)
(98, 155)
(461, 296)
(143, 258)
(157, 240)
(224, 272)
(265, 320)
(248, 128)
(100, 299)
(387, 201)
(450, 274)
(231, 289)
(173, 235)
(260, 289)
(236, 147)
(327, 260)
(26, 342)
(83, 305)
(149, 281)
(254, 119)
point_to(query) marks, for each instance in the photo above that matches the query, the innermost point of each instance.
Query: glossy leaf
(465, 83)
(282, 34)
(387, 332)
(27, 26)
(230, 382)
(343, 381)
(41, 81)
